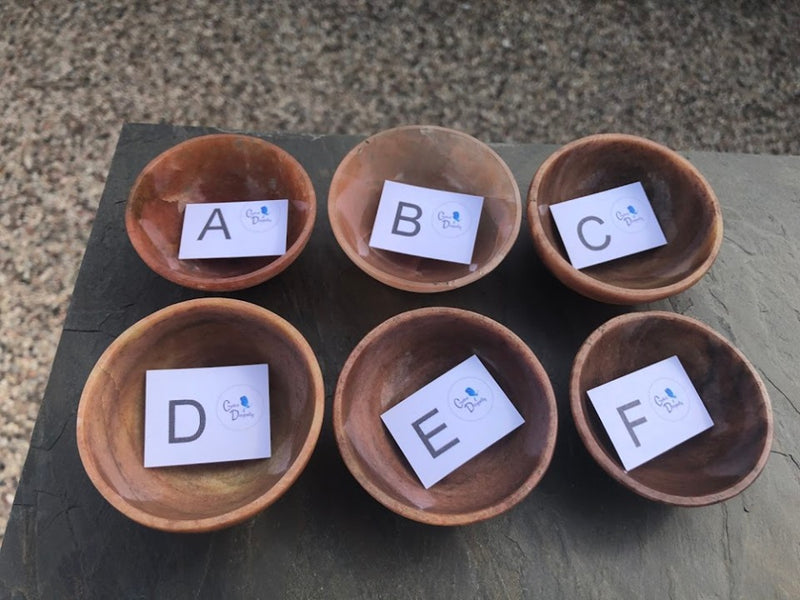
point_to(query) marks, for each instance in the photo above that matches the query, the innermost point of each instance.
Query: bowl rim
(612, 466)
(429, 517)
(238, 282)
(87, 452)
(594, 288)
(410, 285)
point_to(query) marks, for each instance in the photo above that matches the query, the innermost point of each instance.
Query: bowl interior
(430, 157)
(717, 459)
(113, 411)
(404, 358)
(215, 168)
(681, 199)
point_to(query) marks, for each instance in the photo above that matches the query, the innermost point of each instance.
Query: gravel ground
(702, 75)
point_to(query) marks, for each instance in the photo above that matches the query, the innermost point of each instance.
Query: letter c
(581, 237)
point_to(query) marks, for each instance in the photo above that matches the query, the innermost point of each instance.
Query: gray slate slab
(578, 535)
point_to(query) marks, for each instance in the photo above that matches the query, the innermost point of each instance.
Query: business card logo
(627, 214)
(259, 218)
(240, 407)
(470, 399)
(451, 220)
(669, 400)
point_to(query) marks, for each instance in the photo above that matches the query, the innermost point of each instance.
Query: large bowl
(683, 201)
(436, 158)
(409, 351)
(198, 333)
(216, 168)
(716, 464)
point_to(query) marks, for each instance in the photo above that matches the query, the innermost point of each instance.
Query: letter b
(400, 216)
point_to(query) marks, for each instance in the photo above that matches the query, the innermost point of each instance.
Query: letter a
(218, 213)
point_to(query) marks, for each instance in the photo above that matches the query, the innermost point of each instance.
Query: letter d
(200, 428)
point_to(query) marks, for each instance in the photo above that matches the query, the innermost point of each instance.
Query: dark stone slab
(578, 535)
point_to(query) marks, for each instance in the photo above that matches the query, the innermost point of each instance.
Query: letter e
(426, 437)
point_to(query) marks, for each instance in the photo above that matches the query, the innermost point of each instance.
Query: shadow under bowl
(435, 158)
(407, 352)
(216, 168)
(198, 333)
(683, 201)
(716, 464)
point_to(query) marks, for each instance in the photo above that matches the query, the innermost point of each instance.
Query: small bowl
(216, 168)
(198, 333)
(436, 158)
(404, 354)
(682, 200)
(716, 464)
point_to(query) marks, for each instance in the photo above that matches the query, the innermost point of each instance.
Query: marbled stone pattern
(694, 75)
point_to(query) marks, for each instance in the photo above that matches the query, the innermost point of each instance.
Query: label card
(429, 223)
(234, 229)
(607, 225)
(206, 415)
(450, 420)
(649, 411)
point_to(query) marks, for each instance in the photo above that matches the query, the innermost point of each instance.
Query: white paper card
(649, 411)
(607, 225)
(450, 420)
(234, 229)
(206, 415)
(429, 223)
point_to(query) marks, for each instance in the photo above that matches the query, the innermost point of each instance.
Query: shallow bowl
(216, 168)
(684, 204)
(198, 333)
(716, 464)
(404, 354)
(436, 158)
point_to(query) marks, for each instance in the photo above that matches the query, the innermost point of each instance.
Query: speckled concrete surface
(703, 75)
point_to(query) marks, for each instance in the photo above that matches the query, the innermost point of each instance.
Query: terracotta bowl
(198, 333)
(716, 464)
(682, 200)
(409, 351)
(431, 157)
(216, 168)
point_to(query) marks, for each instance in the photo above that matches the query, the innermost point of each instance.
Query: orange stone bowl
(436, 158)
(683, 201)
(216, 168)
(207, 332)
(716, 464)
(407, 352)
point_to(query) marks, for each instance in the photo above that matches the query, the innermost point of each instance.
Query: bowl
(407, 352)
(216, 168)
(716, 464)
(682, 200)
(436, 158)
(198, 333)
